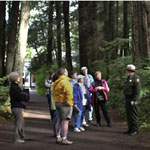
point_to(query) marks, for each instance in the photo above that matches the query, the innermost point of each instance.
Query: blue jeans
(54, 120)
(90, 113)
(78, 120)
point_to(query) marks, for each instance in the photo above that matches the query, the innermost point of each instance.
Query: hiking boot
(58, 140)
(66, 142)
(20, 141)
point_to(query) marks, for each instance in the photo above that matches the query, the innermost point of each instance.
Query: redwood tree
(67, 35)
(12, 32)
(2, 36)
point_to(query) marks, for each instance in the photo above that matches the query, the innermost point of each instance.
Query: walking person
(99, 89)
(132, 92)
(48, 84)
(18, 100)
(88, 79)
(63, 96)
(82, 100)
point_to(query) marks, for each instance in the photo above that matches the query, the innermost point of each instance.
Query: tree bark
(50, 34)
(12, 31)
(58, 22)
(135, 27)
(2, 36)
(22, 37)
(82, 34)
(141, 30)
(87, 31)
(67, 35)
(126, 27)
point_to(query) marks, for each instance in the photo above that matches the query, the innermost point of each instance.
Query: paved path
(40, 137)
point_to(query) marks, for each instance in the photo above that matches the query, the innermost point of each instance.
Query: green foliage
(99, 66)
(5, 112)
(4, 89)
(118, 42)
(40, 76)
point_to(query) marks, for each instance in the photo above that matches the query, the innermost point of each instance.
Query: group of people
(78, 94)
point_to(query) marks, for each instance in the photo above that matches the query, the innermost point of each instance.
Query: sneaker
(77, 130)
(66, 142)
(82, 129)
(58, 140)
(19, 141)
(86, 125)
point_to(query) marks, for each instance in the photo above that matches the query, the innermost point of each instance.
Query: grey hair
(13, 76)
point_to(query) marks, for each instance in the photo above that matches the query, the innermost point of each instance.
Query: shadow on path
(40, 135)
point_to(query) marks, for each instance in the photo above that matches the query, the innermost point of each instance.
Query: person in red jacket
(99, 89)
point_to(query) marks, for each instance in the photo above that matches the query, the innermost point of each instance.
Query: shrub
(40, 76)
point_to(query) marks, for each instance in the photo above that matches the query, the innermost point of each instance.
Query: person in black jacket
(18, 103)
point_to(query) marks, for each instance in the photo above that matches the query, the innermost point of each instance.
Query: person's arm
(106, 88)
(87, 81)
(68, 91)
(75, 96)
(16, 93)
(137, 88)
(92, 89)
(47, 85)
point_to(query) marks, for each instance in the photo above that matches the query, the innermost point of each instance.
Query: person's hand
(133, 102)
(75, 106)
(100, 88)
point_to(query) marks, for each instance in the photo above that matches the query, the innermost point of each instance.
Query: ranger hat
(131, 67)
(80, 77)
(83, 68)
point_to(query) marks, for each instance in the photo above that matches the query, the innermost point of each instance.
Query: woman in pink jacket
(99, 89)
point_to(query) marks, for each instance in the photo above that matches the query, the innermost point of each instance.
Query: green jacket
(132, 87)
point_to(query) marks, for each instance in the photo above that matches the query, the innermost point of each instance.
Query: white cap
(83, 68)
(80, 77)
(131, 67)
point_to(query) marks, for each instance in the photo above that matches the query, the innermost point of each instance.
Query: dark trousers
(19, 123)
(54, 120)
(49, 103)
(101, 104)
(132, 116)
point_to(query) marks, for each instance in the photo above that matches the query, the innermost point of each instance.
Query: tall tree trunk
(144, 27)
(82, 34)
(2, 36)
(141, 30)
(12, 31)
(22, 37)
(135, 27)
(67, 35)
(87, 31)
(112, 27)
(50, 34)
(58, 20)
(126, 27)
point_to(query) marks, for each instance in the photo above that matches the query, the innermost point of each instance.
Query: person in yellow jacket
(63, 96)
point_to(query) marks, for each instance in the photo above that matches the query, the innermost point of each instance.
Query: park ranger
(131, 92)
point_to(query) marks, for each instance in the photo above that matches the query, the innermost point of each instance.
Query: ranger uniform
(131, 92)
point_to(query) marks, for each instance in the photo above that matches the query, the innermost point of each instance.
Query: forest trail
(40, 136)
